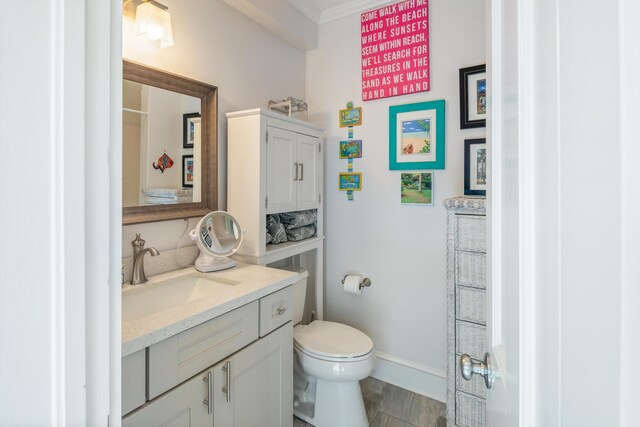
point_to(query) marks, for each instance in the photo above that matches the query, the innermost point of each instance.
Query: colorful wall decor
(164, 162)
(351, 149)
(416, 136)
(395, 50)
(416, 188)
(350, 181)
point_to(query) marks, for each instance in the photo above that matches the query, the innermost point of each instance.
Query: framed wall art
(416, 188)
(351, 149)
(350, 181)
(416, 136)
(350, 117)
(189, 122)
(475, 167)
(473, 97)
(187, 171)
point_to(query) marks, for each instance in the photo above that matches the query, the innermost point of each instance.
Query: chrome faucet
(139, 251)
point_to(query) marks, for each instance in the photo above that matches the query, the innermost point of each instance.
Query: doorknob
(468, 367)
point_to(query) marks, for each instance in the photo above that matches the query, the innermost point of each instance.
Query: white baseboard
(421, 379)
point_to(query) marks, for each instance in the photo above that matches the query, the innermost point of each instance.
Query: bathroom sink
(159, 296)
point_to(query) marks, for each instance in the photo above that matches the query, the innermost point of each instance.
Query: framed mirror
(169, 146)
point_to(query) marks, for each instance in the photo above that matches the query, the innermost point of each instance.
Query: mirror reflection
(161, 146)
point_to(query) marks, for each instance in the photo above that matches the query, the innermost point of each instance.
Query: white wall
(216, 44)
(401, 248)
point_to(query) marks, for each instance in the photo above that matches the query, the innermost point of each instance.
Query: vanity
(209, 349)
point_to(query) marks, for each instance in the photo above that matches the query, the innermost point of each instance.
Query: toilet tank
(299, 293)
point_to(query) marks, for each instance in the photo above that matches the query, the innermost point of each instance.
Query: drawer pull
(280, 310)
(227, 389)
(208, 401)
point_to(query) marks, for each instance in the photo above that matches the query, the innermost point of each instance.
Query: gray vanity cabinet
(466, 308)
(253, 387)
(183, 406)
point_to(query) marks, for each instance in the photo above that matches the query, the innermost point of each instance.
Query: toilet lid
(332, 339)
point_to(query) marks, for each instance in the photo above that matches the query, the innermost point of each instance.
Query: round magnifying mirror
(218, 235)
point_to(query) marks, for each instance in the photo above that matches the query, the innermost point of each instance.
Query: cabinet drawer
(133, 381)
(471, 339)
(475, 385)
(470, 410)
(470, 233)
(185, 354)
(471, 304)
(276, 309)
(471, 269)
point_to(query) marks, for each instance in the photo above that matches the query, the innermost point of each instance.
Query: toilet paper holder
(366, 282)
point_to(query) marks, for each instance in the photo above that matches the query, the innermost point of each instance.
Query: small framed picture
(475, 167)
(350, 181)
(187, 171)
(190, 122)
(351, 149)
(416, 188)
(416, 136)
(473, 97)
(350, 117)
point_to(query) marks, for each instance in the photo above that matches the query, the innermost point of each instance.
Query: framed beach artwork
(475, 167)
(351, 149)
(416, 136)
(473, 97)
(350, 117)
(350, 181)
(189, 123)
(187, 171)
(416, 188)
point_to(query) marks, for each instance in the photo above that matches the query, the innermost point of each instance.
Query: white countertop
(254, 282)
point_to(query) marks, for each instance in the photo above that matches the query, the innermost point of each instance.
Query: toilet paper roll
(352, 284)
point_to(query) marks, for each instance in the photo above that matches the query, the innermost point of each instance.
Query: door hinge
(266, 202)
(319, 198)
(266, 137)
(319, 148)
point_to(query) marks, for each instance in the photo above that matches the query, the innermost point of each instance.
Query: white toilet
(329, 361)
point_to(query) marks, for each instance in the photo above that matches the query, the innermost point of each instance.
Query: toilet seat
(332, 341)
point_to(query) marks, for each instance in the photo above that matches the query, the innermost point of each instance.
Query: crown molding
(350, 8)
(307, 8)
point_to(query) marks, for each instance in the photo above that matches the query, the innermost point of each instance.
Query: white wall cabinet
(275, 164)
(293, 171)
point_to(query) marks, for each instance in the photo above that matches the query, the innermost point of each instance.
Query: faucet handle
(138, 241)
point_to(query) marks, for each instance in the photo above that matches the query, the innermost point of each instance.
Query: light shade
(155, 23)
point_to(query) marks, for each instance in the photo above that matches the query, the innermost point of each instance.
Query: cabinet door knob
(468, 367)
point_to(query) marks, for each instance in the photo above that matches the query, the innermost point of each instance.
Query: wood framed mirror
(169, 147)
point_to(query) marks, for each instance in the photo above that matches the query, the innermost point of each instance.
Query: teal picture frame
(417, 136)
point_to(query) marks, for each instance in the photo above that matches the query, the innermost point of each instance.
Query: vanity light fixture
(154, 21)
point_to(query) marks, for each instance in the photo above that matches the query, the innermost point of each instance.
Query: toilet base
(337, 404)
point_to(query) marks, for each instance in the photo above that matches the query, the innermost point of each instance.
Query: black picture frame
(187, 135)
(475, 188)
(185, 181)
(468, 119)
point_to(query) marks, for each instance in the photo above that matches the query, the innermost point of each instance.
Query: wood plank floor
(391, 406)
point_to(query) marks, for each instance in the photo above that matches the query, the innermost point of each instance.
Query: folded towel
(168, 192)
(293, 220)
(278, 234)
(301, 233)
